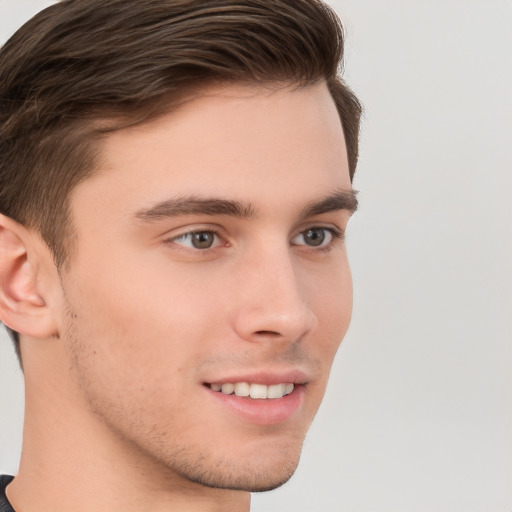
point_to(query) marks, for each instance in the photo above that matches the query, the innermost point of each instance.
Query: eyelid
(190, 237)
(336, 233)
(170, 238)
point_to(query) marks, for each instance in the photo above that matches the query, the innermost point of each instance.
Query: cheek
(331, 292)
(332, 304)
(133, 346)
(142, 315)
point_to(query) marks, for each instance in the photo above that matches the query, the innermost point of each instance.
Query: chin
(259, 481)
(249, 474)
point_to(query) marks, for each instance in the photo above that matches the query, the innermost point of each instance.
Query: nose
(274, 303)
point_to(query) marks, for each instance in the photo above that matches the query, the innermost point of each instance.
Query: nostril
(268, 333)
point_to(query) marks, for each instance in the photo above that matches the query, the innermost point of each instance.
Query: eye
(198, 240)
(316, 237)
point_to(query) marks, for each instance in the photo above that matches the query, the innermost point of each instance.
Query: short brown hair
(80, 61)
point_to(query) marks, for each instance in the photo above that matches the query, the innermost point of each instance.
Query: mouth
(254, 390)
(261, 399)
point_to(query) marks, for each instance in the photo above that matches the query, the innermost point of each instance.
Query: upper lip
(263, 377)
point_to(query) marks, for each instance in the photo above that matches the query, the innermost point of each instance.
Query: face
(210, 265)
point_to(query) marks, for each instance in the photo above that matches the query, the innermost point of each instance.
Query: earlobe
(23, 308)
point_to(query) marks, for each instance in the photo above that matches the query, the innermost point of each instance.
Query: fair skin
(208, 253)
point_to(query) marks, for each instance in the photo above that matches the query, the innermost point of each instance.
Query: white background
(418, 415)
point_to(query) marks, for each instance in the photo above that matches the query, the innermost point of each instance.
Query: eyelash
(335, 233)
(196, 232)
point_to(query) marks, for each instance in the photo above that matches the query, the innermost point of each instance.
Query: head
(147, 151)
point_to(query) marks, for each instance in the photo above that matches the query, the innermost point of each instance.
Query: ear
(23, 307)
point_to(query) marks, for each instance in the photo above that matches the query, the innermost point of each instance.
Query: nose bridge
(274, 301)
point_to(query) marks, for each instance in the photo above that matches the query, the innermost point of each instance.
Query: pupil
(202, 240)
(315, 236)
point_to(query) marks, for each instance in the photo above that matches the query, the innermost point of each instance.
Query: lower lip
(270, 411)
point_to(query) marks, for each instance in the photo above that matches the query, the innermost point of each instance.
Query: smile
(255, 391)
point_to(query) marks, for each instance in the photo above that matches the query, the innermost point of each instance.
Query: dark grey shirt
(5, 506)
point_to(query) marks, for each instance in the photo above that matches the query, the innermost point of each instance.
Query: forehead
(237, 141)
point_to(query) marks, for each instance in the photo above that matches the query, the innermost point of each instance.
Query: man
(175, 185)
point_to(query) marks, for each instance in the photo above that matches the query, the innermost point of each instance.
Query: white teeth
(276, 391)
(242, 389)
(227, 389)
(255, 391)
(258, 391)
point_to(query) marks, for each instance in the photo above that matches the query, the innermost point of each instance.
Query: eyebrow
(195, 205)
(339, 200)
